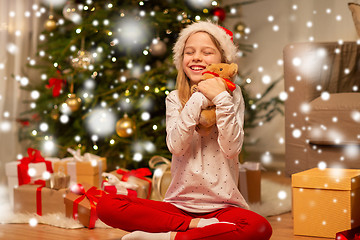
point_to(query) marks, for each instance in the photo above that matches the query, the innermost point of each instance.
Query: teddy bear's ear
(234, 68)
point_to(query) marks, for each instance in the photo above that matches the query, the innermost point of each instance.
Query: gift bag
(250, 181)
(162, 176)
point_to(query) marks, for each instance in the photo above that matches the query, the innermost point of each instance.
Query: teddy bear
(226, 72)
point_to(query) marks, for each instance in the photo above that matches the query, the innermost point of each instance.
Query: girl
(203, 201)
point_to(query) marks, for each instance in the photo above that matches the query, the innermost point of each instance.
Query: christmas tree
(106, 69)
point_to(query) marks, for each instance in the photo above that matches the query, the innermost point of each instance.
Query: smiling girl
(202, 201)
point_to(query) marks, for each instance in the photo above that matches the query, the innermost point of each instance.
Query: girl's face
(199, 52)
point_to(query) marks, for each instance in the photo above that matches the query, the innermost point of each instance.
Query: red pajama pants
(130, 214)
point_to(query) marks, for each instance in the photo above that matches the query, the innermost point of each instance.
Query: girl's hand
(211, 87)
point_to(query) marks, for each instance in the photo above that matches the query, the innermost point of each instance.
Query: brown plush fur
(208, 116)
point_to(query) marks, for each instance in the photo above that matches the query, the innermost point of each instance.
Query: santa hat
(223, 35)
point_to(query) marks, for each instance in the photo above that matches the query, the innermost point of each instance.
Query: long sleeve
(180, 123)
(204, 171)
(230, 121)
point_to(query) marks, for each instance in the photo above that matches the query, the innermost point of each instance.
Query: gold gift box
(325, 201)
(82, 171)
(84, 207)
(25, 199)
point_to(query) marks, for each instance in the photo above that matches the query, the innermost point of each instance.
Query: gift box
(35, 198)
(351, 234)
(82, 169)
(58, 180)
(138, 177)
(250, 181)
(26, 170)
(111, 184)
(162, 176)
(80, 203)
(325, 201)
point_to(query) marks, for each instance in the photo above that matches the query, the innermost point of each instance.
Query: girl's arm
(230, 121)
(180, 123)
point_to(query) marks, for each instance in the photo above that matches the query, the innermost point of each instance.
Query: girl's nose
(197, 56)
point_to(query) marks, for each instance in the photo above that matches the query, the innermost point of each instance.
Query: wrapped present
(250, 181)
(35, 198)
(138, 177)
(162, 176)
(82, 169)
(26, 170)
(325, 201)
(111, 184)
(351, 234)
(58, 180)
(80, 203)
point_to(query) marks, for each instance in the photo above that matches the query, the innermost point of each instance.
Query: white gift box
(36, 171)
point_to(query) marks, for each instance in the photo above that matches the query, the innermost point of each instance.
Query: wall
(293, 27)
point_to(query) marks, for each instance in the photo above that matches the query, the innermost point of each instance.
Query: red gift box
(352, 234)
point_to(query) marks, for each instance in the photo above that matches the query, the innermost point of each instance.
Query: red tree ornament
(220, 13)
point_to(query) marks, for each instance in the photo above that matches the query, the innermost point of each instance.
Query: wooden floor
(282, 227)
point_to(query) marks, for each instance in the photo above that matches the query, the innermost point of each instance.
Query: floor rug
(276, 199)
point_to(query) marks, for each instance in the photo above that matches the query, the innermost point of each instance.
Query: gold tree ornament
(50, 24)
(125, 127)
(240, 28)
(73, 102)
(157, 47)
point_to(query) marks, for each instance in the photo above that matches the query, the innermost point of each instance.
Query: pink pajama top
(205, 170)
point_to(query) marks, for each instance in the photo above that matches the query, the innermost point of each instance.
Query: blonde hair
(183, 82)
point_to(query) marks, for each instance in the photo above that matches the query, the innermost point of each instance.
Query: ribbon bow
(57, 84)
(85, 158)
(23, 167)
(139, 173)
(93, 195)
(229, 83)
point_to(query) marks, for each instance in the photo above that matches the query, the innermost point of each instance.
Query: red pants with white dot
(131, 214)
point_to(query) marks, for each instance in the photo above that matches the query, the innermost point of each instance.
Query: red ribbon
(38, 196)
(229, 83)
(139, 173)
(93, 195)
(23, 166)
(57, 84)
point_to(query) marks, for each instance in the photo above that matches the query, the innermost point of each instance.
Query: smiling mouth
(197, 68)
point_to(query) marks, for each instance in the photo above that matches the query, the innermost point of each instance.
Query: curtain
(19, 31)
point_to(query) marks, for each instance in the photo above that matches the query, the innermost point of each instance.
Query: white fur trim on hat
(215, 30)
